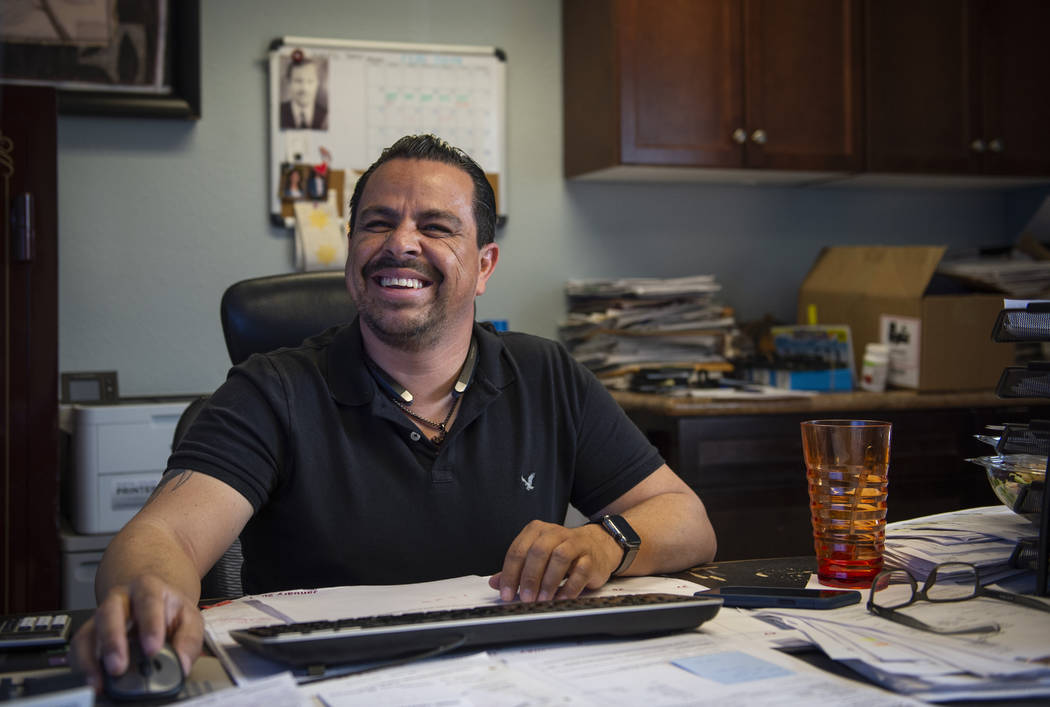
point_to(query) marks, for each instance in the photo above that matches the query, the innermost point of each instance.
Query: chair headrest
(267, 313)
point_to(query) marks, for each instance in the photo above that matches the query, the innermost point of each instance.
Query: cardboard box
(939, 333)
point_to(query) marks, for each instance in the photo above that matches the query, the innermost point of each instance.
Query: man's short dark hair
(433, 148)
(301, 64)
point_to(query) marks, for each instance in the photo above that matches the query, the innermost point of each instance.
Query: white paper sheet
(320, 235)
(681, 669)
(928, 665)
(277, 691)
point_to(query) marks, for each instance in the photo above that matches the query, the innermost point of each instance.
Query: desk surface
(768, 572)
(778, 571)
(821, 403)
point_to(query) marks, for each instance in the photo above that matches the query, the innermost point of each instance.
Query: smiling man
(411, 444)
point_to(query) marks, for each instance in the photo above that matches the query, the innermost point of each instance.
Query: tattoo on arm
(180, 477)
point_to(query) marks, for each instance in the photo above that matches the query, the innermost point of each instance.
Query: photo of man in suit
(306, 107)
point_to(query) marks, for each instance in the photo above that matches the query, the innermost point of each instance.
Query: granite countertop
(822, 402)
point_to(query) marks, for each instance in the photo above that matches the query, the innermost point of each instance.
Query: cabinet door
(1015, 90)
(681, 93)
(29, 543)
(922, 105)
(803, 78)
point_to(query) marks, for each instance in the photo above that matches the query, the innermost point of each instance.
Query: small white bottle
(876, 364)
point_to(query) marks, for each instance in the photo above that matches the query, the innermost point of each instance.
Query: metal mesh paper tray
(1029, 381)
(1029, 324)
(1033, 438)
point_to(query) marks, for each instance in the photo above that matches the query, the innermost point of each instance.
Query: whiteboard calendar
(335, 104)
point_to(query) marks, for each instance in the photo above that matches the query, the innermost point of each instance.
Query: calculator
(39, 630)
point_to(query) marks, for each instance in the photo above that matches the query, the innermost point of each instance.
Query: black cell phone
(774, 597)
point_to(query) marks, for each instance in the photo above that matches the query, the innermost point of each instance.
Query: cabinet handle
(740, 136)
(977, 145)
(23, 229)
(759, 136)
(995, 144)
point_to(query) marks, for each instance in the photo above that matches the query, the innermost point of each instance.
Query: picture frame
(182, 70)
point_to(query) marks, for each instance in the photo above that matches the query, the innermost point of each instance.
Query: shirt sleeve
(613, 455)
(240, 435)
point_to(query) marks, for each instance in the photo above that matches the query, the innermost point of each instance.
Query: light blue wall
(156, 218)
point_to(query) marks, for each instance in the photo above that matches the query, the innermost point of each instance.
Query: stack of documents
(985, 537)
(1023, 272)
(1016, 275)
(1013, 661)
(614, 326)
(1009, 663)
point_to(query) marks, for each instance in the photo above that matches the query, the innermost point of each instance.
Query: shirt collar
(354, 384)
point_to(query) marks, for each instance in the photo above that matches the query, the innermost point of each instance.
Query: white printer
(119, 452)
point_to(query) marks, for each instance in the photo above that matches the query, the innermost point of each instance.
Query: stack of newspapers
(621, 327)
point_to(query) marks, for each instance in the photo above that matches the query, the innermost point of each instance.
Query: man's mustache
(383, 262)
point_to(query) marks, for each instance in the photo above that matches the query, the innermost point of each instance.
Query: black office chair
(260, 315)
(267, 313)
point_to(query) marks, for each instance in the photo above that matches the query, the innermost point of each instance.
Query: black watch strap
(624, 535)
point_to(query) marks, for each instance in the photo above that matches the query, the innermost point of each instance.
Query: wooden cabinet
(747, 466)
(712, 83)
(957, 87)
(29, 542)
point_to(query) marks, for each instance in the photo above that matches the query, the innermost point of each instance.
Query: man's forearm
(675, 532)
(142, 548)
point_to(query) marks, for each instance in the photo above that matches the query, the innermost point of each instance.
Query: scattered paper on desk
(648, 672)
(671, 670)
(734, 624)
(731, 667)
(1012, 662)
(751, 391)
(276, 691)
(476, 679)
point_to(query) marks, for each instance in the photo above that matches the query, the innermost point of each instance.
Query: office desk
(784, 571)
(744, 458)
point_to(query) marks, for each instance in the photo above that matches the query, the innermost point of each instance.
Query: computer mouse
(146, 678)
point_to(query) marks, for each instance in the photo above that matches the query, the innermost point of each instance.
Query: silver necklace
(400, 396)
(441, 427)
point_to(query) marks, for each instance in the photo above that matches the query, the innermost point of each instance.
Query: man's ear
(487, 258)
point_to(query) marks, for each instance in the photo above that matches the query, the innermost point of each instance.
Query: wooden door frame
(29, 549)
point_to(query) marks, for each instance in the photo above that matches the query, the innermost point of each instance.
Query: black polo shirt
(347, 491)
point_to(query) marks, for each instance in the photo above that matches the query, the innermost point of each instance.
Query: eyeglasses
(948, 582)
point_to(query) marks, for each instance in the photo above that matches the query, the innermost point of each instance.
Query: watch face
(621, 530)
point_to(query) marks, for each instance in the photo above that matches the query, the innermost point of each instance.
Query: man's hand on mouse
(159, 613)
(550, 561)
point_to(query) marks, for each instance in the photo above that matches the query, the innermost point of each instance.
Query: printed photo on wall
(293, 182)
(317, 184)
(304, 92)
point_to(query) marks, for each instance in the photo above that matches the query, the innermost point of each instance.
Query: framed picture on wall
(106, 57)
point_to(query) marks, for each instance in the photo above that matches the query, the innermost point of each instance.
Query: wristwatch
(624, 535)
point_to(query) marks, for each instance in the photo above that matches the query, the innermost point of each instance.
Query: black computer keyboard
(320, 643)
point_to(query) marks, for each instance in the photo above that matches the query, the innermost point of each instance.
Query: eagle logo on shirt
(528, 482)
